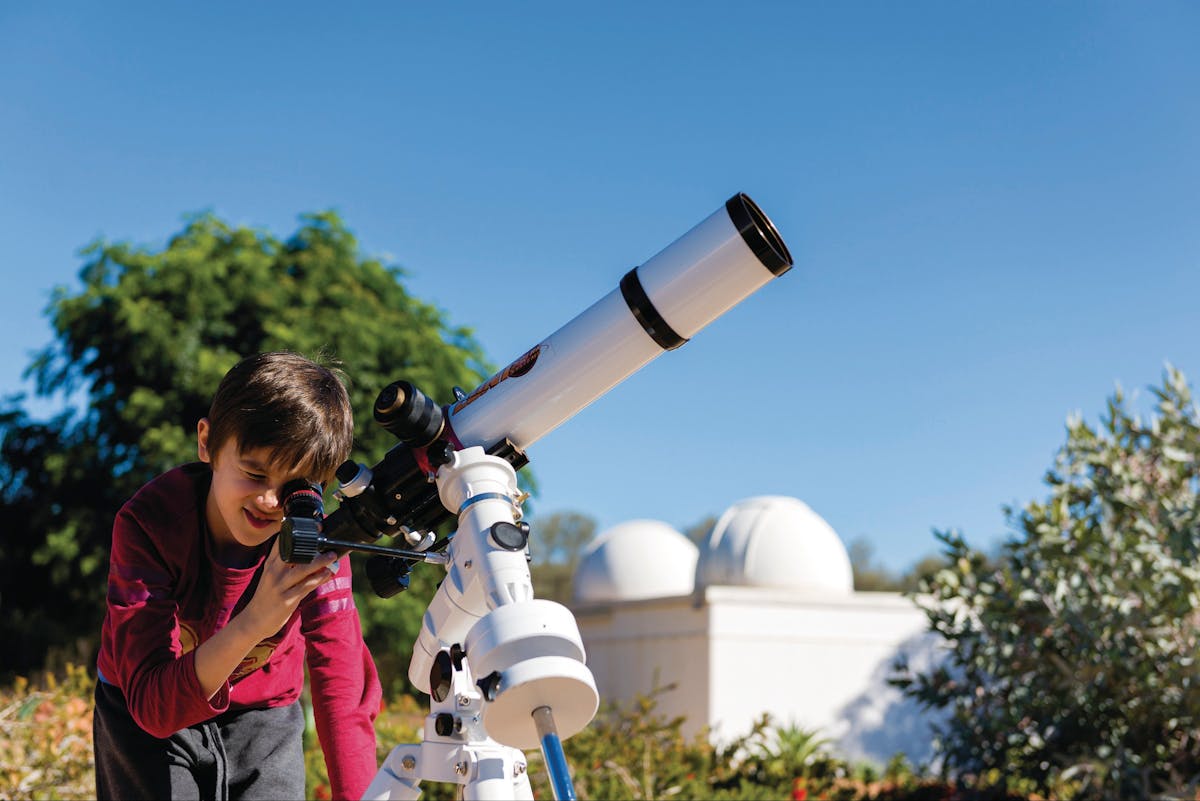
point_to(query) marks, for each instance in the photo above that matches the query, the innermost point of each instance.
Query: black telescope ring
(759, 234)
(647, 316)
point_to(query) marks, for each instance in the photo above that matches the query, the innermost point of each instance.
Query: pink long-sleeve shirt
(166, 594)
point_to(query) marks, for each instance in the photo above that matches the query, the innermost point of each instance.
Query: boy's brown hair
(295, 408)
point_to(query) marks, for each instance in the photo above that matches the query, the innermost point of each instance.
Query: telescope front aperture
(759, 233)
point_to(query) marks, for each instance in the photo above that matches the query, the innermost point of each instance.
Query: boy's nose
(269, 499)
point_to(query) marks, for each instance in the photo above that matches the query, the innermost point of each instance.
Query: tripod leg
(522, 791)
(499, 775)
(389, 785)
(552, 752)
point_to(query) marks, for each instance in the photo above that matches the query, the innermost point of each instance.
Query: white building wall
(635, 646)
(737, 652)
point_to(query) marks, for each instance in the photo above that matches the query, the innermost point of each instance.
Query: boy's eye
(255, 477)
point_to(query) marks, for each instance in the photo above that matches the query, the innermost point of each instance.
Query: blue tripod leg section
(552, 753)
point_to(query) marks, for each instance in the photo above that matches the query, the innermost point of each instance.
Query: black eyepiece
(302, 498)
(409, 414)
(303, 513)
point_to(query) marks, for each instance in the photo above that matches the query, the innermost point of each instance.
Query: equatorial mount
(504, 671)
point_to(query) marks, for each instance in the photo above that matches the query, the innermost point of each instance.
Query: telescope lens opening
(759, 233)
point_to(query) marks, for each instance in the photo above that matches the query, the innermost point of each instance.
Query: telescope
(505, 671)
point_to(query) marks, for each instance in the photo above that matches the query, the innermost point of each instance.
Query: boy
(208, 631)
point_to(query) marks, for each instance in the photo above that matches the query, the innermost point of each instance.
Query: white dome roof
(636, 559)
(774, 541)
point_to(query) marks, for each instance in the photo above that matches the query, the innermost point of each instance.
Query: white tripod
(505, 672)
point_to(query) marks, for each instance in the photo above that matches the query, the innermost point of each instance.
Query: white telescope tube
(658, 306)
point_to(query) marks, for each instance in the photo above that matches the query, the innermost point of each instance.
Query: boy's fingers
(318, 567)
(310, 582)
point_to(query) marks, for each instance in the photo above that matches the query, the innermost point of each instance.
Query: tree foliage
(1072, 661)
(698, 532)
(145, 342)
(870, 576)
(556, 543)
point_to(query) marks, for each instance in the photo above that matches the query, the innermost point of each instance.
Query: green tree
(146, 341)
(698, 532)
(1072, 661)
(869, 576)
(921, 570)
(555, 546)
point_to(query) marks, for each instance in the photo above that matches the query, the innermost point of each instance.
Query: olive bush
(1071, 667)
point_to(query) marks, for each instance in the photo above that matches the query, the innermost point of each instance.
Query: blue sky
(992, 208)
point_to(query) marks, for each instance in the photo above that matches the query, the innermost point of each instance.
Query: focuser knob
(299, 539)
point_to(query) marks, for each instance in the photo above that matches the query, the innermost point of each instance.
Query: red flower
(799, 793)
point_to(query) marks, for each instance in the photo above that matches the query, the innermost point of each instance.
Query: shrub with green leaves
(630, 751)
(46, 737)
(1072, 662)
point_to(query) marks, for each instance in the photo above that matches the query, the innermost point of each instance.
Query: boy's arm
(165, 688)
(147, 659)
(281, 588)
(345, 686)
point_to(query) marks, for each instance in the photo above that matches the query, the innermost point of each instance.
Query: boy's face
(243, 505)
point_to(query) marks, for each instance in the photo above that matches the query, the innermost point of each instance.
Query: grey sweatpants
(248, 754)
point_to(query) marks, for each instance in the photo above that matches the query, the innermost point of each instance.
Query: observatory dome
(775, 541)
(636, 559)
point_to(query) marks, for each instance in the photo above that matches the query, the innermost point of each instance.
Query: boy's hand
(280, 589)
(282, 586)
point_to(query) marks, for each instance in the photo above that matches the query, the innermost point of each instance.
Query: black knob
(440, 453)
(489, 685)
(388, 575)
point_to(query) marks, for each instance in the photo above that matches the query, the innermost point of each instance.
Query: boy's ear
(202, 440)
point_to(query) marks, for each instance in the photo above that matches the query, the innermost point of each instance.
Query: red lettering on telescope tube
(518, 368)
